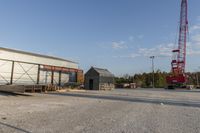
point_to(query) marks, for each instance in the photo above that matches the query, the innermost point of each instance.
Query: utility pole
(152, 59)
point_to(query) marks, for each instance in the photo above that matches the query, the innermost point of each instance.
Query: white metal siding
(35, 59)
(25, 73)
(56, 78)
(5, 72)
(64, 78)
(45, 77)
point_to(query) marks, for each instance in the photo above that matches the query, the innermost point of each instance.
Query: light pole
(197, 77)
(152, 59)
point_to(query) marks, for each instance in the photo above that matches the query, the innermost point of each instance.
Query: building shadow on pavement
(134, 99)
(4, 93)
(15, 128)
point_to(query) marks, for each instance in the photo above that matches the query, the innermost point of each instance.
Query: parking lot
(118, 111)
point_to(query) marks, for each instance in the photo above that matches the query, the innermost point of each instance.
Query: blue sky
(119, 35)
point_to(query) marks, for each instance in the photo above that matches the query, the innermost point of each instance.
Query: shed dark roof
(103, 72)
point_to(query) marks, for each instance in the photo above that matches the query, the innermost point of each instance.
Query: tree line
(145, 80)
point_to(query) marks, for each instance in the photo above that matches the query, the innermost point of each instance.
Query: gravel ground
(118, 111)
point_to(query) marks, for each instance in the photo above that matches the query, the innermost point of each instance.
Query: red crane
(178, 76)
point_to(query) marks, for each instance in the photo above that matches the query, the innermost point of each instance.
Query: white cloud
(140, 36)
(191, 51)
(159, 50)
(196, 39)
(198, 18)
(132, 56)
(195, 28)
(193, 46)
(119, 45)
(131, 38)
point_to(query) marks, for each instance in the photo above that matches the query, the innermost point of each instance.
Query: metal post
(52, 77)
(59, 82)
(76, 77)
(153, 79)
(12, 72)
(38, 75)
(197, 76)
(46, 77)
(197, 79)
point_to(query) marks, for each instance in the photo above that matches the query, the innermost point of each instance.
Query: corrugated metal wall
(5, 72)
(27, 74)
(17, 56)
(15, 68)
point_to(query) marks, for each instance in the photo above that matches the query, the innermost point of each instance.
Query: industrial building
(99, 79)
(24, 68)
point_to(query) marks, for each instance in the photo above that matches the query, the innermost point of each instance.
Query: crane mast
(178, 75)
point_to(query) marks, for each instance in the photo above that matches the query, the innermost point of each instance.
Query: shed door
(91, 84)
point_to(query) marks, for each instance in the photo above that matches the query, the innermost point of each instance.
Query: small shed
(99, 79)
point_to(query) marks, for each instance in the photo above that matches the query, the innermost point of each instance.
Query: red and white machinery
(178, 76)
